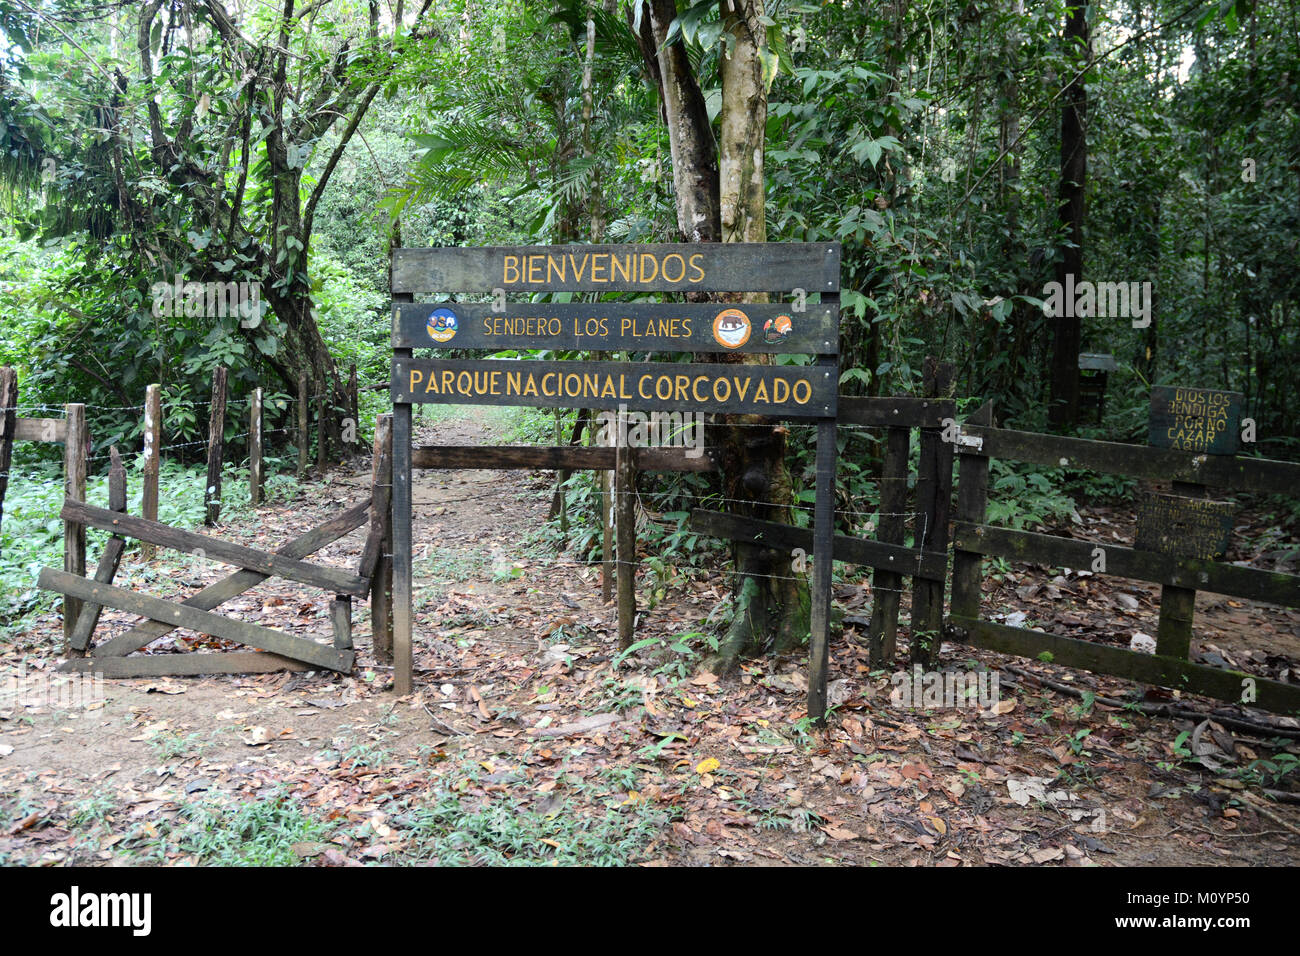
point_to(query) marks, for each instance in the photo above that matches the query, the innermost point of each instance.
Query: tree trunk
(720, 191)
(1068, 329)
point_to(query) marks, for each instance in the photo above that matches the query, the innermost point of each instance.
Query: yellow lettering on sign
(696, 266)
(681, 274)
(510, 270)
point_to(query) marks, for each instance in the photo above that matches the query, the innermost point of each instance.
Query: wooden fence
(1180, 576)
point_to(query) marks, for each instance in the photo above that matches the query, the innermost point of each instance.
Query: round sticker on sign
(731, 328)
(441, 325)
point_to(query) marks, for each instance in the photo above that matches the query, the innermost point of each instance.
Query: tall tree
(721, 196)
(1068, 330)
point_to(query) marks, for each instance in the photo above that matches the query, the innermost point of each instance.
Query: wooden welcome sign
(791, 326)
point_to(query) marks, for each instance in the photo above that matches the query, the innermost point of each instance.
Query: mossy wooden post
(255, 448)
(1177, 605)
(934, 503)
(625, 512)
(354, 404)
(381, 541)
(341, 622)
(972, 502)
(886, 585)
(74, 486)
(561, 478)
(322, 445)
(216, 447)
(302, 424)
(606, 525)
(152, 451)
(8, 425)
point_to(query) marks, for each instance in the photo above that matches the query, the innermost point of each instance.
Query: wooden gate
(283, 651)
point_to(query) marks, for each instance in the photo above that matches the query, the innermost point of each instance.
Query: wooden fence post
(322, 452)
(1177, 605)
(302, 424)
(625, 510)
(972, 502)
(607, 567)
(74, 486)
(934, 502)
(255, 448)
(216, 443)
(381, 531)
(354, 404)
(152, 451)
(886, 585)
(8, 425)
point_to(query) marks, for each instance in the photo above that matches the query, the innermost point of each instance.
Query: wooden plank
(74, 488)
(778, 391)
(329, 579)
(1137, 461)
(380, 542)
(216, 447)
(886, 585)
(625, 532)
(8, 427)
(639, 267)
(607, 326)
(255, 448)
(152, 449)
(1185, 527)
(341, 622)
(181, 615)
(555, 458)
(109, 560)
(1168, 672)
(1201, 420)
(887, 412)
(861, 551)
(1252, 584)
(39, 429)
(184, 665)
(236, 584)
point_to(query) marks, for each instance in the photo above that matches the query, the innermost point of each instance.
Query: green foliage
(1025, 496)
(457, 826)
(260, 833)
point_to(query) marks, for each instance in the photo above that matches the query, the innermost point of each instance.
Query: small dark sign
(1184, 527)
(1195, 419)
(782, 391)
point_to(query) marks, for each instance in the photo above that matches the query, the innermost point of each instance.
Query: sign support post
(403, 593)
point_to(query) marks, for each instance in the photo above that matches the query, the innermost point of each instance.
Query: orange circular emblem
(731, 328)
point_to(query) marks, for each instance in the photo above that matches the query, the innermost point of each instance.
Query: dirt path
(527, 742)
